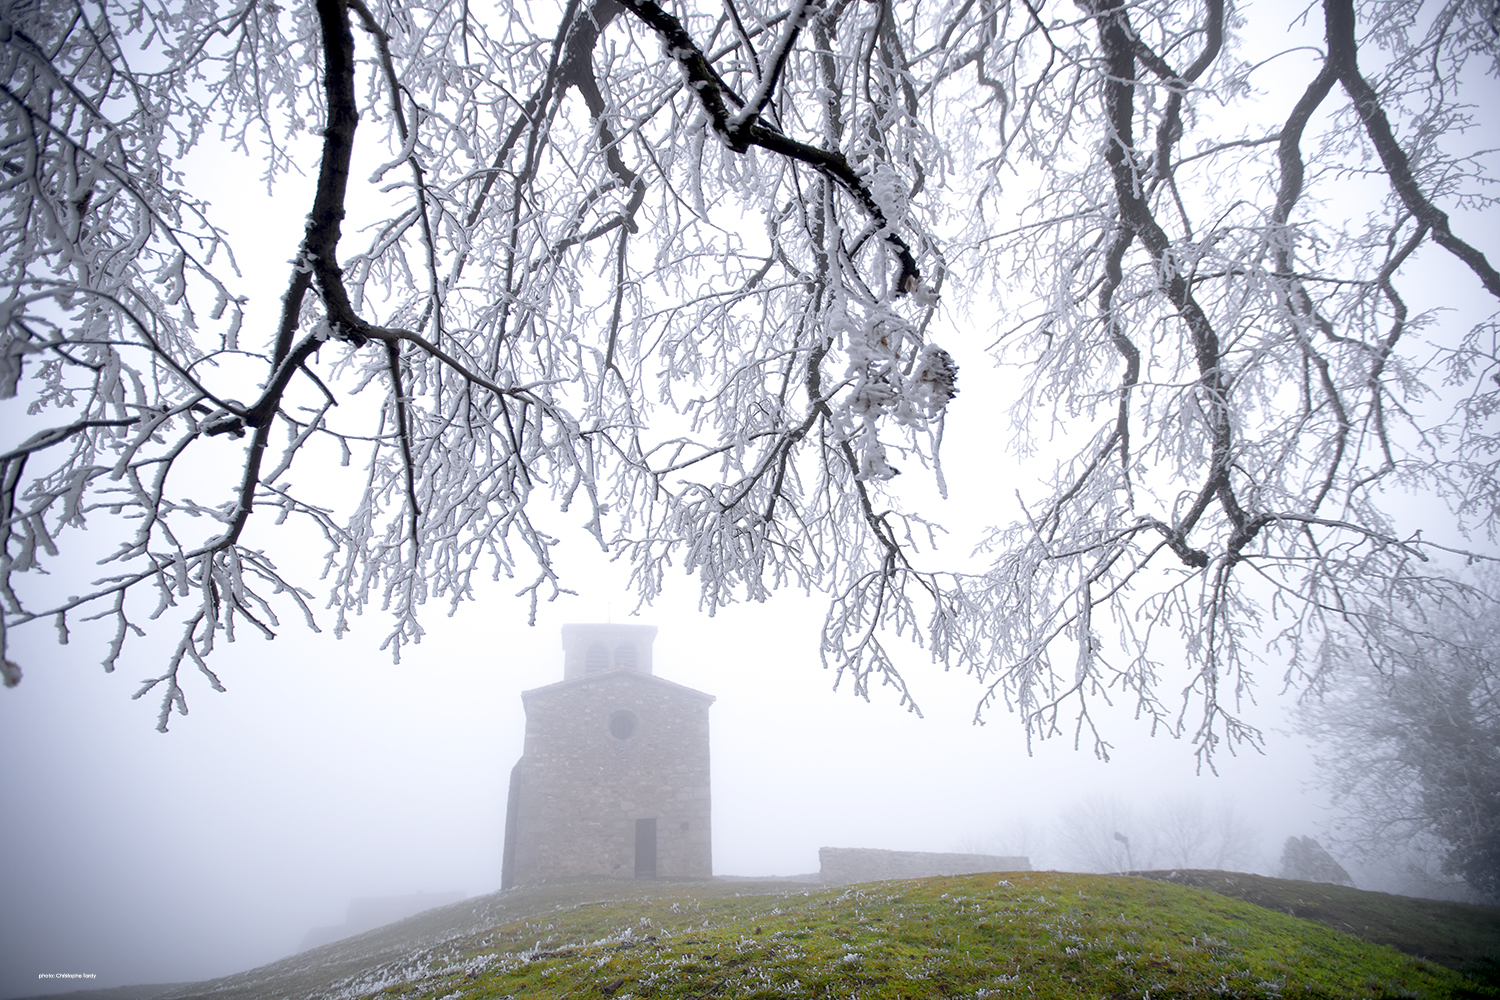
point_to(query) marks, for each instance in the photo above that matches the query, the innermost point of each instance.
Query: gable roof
(618, 674)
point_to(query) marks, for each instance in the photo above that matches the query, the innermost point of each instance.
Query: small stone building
(613, 778)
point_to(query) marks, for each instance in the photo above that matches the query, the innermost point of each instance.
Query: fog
(326, 773)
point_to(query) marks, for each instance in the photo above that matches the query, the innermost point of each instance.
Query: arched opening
(596, 659)
(625, 656)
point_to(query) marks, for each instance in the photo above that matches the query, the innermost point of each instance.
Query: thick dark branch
(1120, 51)
(834, 165)
(403, 434)
(711, 91)
(1289, 156)
(1289, 153)
(1170, 129)
(319, 256)
(701, 75)
(766, 88)
(1113, 275)
(1178, 543)
(1343, 52)
(433, 309)
(572, 34)
(609, 144)
(325, 221)
(291, 314)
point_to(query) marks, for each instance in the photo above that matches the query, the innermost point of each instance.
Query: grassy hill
(1021, 935)
(1459, 935)
(1032, 935)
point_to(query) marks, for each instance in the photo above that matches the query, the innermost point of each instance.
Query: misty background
(327, 773)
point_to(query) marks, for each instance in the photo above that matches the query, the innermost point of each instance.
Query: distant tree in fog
(674, 270)
(1407, 735)
(1089, 835)
(1105, 834)
(1017, 837)
(1188, 834)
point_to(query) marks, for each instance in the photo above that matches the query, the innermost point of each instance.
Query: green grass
(1459, 935)
(1033, 935)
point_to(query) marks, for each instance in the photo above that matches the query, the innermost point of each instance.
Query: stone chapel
(613, 778)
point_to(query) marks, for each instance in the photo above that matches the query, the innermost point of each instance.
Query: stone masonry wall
(580, 787)
(845, 865)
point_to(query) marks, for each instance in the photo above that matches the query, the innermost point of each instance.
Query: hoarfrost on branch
(678, 266)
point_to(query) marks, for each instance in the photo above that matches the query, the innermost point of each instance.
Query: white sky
(327, 773)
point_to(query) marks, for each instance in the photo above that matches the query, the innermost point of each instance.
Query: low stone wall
(843, 865)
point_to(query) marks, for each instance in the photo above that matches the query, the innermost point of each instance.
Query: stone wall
(845, 865)
(603, 751)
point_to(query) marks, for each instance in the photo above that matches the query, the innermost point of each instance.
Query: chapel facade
(613, 779)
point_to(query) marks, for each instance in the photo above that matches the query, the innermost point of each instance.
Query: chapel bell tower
(613, 777)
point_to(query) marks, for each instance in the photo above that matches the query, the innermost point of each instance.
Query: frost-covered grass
(1041, 934)
(1462, 936)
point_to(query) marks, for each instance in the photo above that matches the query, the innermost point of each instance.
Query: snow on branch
(741, 130)
(686, 293)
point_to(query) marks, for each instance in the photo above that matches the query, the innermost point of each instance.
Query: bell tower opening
(598, 649)
(596, 658)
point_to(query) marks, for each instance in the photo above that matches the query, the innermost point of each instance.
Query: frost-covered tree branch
(677, 267)
(1253, 363)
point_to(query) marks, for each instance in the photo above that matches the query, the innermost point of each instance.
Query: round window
(622, 725)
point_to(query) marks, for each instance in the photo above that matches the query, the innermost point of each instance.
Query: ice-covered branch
(711, 92)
